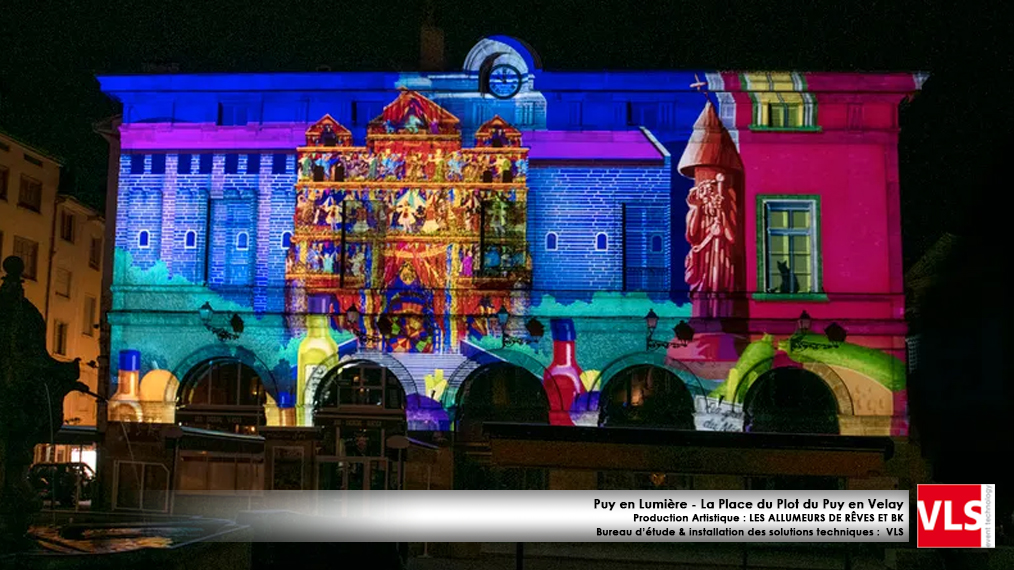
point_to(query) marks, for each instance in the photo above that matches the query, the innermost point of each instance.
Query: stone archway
(408, 383)
(791, 400)
(842, 396)
(224, 394)
(244, 355)
(646, 395)
(487, 357)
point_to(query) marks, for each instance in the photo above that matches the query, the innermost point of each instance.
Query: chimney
(431, 42)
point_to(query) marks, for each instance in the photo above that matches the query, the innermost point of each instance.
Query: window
(4, 176)
(278, 164)
(790, 260)
(785, 115)
(143, 239)
(190, 240)
(656, 244)
(67, 226)
(158, 164)
(242, 241)
(4, 147)
(32, 160)
(253, 164)
(30, 195)
(207, 161)
(184, 164)
(62, 285)
(601, 242)
(95, 253)
(286, 240)
(28, 251)
(231, 163)
(645, 260)
(552, 241)
(137, 164)
(60, 338)
(88, 317)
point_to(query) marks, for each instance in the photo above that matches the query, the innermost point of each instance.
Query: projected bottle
(562, 379)
(123, 406)
(316, 348)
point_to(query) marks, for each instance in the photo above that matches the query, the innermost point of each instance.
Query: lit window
(190, 240)
(552, 241)
(242, 241)
(785, 115)
(656, 244)
(143, 239)
(790, 257)
(601, 242)
(286, 240)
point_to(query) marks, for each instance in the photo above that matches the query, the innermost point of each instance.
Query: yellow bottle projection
(314, 350)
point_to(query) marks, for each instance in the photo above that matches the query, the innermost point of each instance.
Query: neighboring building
(61, 243)
(352, 256)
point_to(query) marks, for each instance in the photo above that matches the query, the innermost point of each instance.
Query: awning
(676, 451)
(76, 435)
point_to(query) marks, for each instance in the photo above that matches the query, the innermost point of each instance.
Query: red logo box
(956, 516)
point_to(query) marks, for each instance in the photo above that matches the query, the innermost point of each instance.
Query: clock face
(504, 81)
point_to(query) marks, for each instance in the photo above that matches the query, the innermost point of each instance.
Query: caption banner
(583, 516)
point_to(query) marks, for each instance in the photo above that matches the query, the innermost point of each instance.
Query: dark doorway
(496, 393)
(790, 400)
(646, 396)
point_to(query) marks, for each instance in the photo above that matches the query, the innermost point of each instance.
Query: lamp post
(207, 315)
(683, 332)
(834, 332)
(534, 328)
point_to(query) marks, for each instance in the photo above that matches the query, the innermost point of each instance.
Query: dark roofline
(36, 150)
(686, 438)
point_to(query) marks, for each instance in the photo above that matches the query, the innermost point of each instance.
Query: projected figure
(714, 263)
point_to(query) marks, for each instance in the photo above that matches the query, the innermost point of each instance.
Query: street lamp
(834, 332)
(683, 333)
(207, 315)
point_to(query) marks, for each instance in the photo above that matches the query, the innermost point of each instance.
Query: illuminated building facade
(378, 254)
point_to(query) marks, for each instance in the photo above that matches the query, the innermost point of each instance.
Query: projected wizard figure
(714, 263)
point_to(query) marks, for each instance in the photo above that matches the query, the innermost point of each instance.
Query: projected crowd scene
(380, 254)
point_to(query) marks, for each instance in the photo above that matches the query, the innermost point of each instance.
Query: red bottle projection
(562, 379)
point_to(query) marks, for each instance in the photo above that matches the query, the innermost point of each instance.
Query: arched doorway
(359, 406)
(646, 396)
(790, 400)
(499, 392)
(222, 394)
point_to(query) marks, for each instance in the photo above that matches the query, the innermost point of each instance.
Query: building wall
(18, 221)
(80, 311)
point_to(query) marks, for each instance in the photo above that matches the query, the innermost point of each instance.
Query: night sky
(50, 52)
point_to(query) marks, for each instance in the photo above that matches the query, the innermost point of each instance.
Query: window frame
(286, 246)
(158, 162)
(68, 221)
(186, 239)
(556, 241)
(88, 318)
(95, 253)
(251, 161)
(137, 163)
(184, 163)
(246, 244)
(5, 175)
(31, 272)
(35, 183)
(60, 349)
(595, 244)
(144, 243)
(817, 289)
(56, 282)
(279, 163)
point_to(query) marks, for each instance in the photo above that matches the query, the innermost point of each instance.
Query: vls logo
(956, 516)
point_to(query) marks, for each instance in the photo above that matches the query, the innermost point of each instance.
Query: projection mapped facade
(509, 243)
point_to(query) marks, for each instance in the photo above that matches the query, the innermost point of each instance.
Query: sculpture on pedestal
(33, 386)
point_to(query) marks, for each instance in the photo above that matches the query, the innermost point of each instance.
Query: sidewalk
(664, 556)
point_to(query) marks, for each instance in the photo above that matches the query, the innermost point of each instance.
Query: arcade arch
(646, 395)
(222, 394)
(790, 400)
